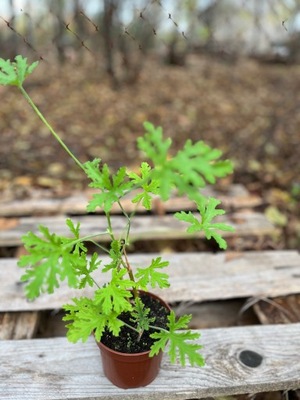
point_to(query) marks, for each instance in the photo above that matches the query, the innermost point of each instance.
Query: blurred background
(225, 71)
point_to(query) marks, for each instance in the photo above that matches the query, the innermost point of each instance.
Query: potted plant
(131, 326)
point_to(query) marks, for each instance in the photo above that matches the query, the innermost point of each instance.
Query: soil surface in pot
(127, 341)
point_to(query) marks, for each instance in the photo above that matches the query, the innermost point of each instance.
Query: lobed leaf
(188, 170)
(87, 319)
(115, 254)
(140, 316)
(180, 346)
(14, 72)
(52, 258)
(112, 187)
(114, 296)
(207, 213)
(152, 275)
(146, 183)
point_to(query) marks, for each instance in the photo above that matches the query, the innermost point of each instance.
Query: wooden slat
(145, 227)
(193, 276)
(18, 325)
(54, 369)
(235, 196)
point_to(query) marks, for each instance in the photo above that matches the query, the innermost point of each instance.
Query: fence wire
(109, 29)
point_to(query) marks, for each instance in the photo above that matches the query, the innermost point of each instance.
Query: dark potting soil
(127, 341)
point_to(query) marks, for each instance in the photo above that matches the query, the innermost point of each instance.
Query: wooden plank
(145, 227)
(18, 325)
(235, 196)
(193, 277)
(53, 369)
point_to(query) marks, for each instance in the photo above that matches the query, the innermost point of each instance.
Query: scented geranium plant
(120, 304)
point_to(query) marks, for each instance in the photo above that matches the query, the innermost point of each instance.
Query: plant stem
(110, 230)
(100, 246)
(41, 116)
(158, 328)
(129, 326)
(99, 287)
(130, 273)
(85, 238)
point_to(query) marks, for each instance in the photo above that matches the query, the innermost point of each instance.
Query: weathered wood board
(193, 277)
(18, 325)
(234, 197)
(53, 369)
(144, 227)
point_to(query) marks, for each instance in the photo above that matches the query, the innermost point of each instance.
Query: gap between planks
(18, 325)
(53, 369)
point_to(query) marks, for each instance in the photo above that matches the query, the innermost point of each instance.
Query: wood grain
(246, 224)
(53, 369)
(193, 276)
(235, 196)
(18, 325)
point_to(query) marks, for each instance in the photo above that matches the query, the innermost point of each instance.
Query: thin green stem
(87, 238)
(100, 246)
(130, 273)
(110, 230)
(158, 328)
(129, 326)
(41, 116)
(99, 287)
(129, 218)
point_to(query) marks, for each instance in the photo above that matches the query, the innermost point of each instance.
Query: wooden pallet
(42, 366)
(51, 368)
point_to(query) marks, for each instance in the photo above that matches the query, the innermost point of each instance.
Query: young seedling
(53, 258)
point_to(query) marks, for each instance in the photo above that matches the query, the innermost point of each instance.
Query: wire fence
(114, 32)
(254, 115)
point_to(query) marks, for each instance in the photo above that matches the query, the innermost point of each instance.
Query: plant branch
(110, 230)
(130, 273)
(41, 116)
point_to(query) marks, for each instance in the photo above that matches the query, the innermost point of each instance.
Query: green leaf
(152, 275)
(180, 345)
(112, 187)
(86, 269)
(52, 258)
(190, 169)
(115, 254)
(140, 316)
(87, 319)
(153, 144)
(145, 182)
(115, 295)
(14, 72)
(207, 213)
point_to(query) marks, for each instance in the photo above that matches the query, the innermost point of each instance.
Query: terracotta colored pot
(130, 370)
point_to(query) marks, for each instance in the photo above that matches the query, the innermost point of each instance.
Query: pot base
(131, 370)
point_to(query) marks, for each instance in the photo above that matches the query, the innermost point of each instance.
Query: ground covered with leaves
(249, 110)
